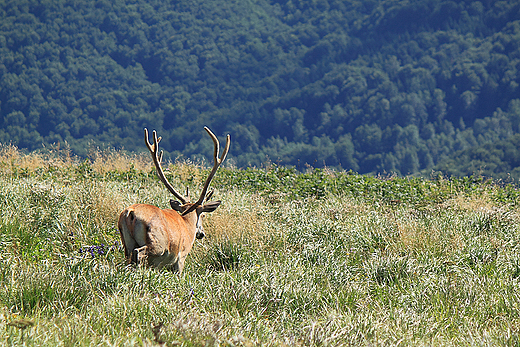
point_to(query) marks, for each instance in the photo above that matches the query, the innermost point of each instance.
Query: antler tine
(218, 160)
(157, 158)
(216, 165)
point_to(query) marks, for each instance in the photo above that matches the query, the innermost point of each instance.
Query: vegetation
(378, 86)
(321, 258)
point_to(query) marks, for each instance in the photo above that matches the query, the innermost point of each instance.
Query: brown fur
(157, 237)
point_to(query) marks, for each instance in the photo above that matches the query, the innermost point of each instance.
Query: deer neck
(191, 220)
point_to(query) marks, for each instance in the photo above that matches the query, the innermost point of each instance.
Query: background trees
(373, 86)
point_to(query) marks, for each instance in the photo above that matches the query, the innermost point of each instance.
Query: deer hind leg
(126, 227)
(179, 266)
(140, 255)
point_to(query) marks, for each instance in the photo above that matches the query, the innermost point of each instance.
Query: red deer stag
(163, 238)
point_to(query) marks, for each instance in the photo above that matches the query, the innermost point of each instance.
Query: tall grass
(312, 259)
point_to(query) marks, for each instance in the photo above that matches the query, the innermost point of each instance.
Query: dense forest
(374, 86)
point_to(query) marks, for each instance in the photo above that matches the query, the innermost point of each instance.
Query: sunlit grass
(324, 270)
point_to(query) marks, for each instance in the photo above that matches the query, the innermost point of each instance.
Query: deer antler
(216, 165)
(157, 157)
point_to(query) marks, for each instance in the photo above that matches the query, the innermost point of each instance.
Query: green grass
(320, 258)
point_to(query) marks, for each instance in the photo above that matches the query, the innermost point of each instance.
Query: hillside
(372, 86)
(320, 258)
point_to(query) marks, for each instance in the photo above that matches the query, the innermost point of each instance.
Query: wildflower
(101, 249)
(93, 250)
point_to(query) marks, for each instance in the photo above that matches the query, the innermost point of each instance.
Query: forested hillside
(373, 85)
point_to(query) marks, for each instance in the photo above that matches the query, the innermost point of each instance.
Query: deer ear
(211, 206)
(176, 205)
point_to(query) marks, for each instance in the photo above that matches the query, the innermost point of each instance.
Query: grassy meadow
(320, 258)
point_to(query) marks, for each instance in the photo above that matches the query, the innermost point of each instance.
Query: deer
(159, 237)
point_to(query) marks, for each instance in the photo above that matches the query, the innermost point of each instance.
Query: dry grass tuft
(465, 203)
(12, 159)
(416, 236)
(107, 160)
(106, 203)
(239, 220)
(237, 225)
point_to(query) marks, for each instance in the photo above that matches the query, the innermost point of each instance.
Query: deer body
(161, 237)
(164, 237)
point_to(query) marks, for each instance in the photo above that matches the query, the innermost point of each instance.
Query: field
(320, 258)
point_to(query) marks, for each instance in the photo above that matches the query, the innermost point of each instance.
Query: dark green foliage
(499, 159)
(282, 183)
(371, 86)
